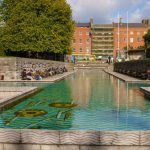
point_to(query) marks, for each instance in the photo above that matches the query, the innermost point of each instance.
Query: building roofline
(131, 25)
(102, 26)
(83, 24)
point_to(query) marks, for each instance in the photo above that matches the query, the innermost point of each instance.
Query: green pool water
(86, 100)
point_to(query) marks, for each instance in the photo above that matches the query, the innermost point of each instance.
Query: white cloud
(103, 11)
(84, 9)
(141, 13)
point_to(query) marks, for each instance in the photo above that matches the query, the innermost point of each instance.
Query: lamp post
(127, 36)
(118, 48)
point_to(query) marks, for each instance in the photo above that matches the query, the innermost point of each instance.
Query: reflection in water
(126, 95)
(81, 88)
(129, 98)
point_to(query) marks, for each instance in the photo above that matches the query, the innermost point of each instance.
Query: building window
(125, 40)
(80, 40)
(80, 49)
(138, 33)
(87, 50)
(131, 32)
(138, 39)
(145, 32)
(80, 33)
(87, 33)
(131, 40)
(87, 40)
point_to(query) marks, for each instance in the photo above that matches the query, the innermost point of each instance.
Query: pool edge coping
(55, 79)
(74, 137)
(132, 80)
(24, 92)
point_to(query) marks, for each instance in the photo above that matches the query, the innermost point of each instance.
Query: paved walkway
(125, 77)
(146, 90)
(5, 146)
(11, 94)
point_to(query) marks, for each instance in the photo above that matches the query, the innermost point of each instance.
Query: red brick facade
(135, 37)
(81, 43)
(82, 39)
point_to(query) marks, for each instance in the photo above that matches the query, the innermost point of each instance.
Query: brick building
(104, 40)
(81, 43)
(132, 39)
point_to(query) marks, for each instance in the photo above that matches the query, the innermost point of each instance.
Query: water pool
(86, 100)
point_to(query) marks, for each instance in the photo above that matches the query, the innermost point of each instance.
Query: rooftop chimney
(91, 22)
(121, 21)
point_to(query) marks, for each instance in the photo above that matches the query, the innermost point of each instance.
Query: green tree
(147, 43)
(36, 26)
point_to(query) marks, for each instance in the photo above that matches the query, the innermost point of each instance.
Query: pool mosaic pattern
(101, 102)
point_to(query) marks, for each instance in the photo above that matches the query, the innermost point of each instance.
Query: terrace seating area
(139, 69)
(34, 74)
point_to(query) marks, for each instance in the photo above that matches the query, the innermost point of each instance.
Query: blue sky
(106, 11)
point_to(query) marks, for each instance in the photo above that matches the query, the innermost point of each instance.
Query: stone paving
(146, 91)
(32, 139)
(75, 137)
(68, 147)
(11, 94)
(125, 77)
(57, 77)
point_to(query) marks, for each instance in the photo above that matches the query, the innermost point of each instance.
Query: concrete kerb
(126, 78)
(48, 80)
(146, 91)
(22, 92)
(72, 137)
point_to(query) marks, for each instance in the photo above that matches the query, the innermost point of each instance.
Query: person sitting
(29, 76)
(23, 74)
(38, 77)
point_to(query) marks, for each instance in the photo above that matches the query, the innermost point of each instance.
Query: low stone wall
(11, 67)
(137, 68)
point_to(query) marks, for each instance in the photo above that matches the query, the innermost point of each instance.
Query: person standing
(73, 59)
(109, 58)
(112, 60)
